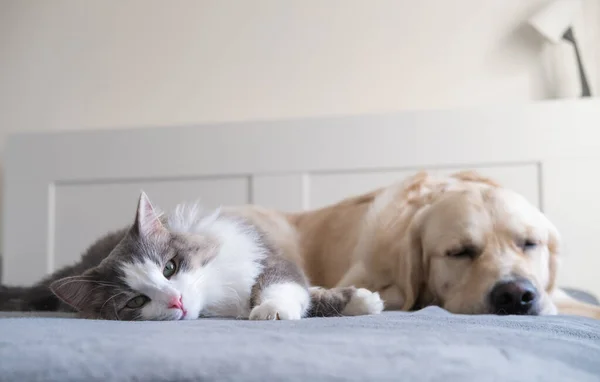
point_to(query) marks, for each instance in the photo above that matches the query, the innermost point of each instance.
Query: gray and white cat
(184, 266)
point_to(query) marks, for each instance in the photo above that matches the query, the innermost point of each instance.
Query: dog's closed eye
(464, 252)
(527, 244)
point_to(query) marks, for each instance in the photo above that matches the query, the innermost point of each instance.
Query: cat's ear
(147, 220)
(74, 291)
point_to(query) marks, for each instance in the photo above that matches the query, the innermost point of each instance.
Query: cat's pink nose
(176, 303)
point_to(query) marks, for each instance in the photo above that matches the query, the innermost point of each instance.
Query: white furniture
(63, 190)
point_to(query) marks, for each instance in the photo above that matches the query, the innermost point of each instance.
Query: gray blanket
(429, 345)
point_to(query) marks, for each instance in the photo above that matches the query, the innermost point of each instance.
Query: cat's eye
(137, 302)
(169, 269)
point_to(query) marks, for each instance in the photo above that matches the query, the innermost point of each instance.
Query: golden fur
(396, 240)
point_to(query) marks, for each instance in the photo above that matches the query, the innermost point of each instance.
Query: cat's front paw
(272, 310)
(363, 302)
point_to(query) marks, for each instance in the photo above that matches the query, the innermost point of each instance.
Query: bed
(81, 184)
(428, 345)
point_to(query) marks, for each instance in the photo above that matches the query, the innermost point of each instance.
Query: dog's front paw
(271, 310)
(363, 302)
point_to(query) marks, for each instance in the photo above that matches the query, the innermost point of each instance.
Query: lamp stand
(585, 87)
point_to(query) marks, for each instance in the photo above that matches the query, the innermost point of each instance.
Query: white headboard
(63, 190)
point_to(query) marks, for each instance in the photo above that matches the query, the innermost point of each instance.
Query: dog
(462, 242)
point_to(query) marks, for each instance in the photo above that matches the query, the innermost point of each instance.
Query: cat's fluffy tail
(345, 301)
(20, 299)
(11, 298)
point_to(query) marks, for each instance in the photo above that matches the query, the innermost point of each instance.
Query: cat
(185, 266)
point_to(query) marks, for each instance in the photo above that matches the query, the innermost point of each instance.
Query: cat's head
(152, 274)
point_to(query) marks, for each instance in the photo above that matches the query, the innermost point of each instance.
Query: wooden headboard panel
(62, 190)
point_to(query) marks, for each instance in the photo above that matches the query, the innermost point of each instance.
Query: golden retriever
(462, 242)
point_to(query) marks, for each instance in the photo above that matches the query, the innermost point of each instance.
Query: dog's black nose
(514, 297)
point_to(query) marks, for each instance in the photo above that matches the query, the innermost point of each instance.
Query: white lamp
(555, 23)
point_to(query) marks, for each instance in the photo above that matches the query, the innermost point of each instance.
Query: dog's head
(482, 249)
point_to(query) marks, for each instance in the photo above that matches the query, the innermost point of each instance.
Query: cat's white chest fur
(223, 286)
(228, 285)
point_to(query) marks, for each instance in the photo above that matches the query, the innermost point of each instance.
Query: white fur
(284, 301)
(220, 288)
(363, 302)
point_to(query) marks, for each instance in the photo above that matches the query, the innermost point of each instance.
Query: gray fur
(329, 302)
(276, 270)
(39, 297)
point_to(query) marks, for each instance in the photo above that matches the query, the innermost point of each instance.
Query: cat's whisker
(198, 280)
(76, 277)
(86, 279)
(75, 280)
(63, 284)
(116, 312)
(90, 292)
(236, 294)
(110, 298)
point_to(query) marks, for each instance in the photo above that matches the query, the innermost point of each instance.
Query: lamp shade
(554, 19)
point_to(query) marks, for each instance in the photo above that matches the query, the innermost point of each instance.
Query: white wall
(71, 64)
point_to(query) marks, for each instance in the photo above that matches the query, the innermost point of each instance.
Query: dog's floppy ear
(412, 262)
(554, 246)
